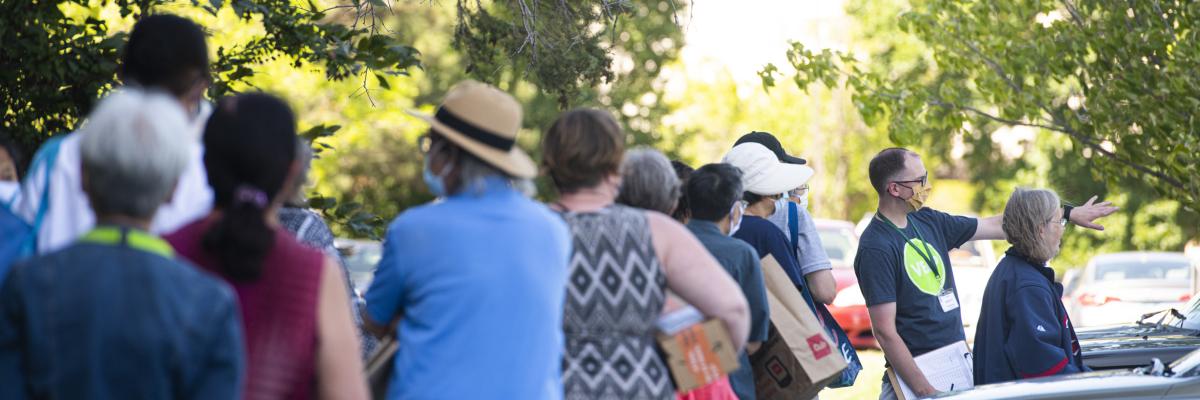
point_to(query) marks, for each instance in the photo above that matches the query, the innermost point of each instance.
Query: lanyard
(113, 236)
(924, 251)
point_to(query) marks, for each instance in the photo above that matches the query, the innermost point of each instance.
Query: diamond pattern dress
(614, 295)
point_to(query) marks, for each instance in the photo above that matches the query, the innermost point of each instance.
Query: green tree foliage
(601, 54)
(60, 56)
(1110, 86)
(1119, 79)
(377, 162)
(346, 66)
(54, 64)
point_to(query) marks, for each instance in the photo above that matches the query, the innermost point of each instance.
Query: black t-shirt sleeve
(876, 272)
(955, 229)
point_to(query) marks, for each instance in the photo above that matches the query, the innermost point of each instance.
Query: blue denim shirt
(116, 316)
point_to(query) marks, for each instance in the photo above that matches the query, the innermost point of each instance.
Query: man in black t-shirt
(903, 264)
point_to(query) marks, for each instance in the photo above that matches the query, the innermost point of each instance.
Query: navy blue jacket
(117, 316)
(1024, 330)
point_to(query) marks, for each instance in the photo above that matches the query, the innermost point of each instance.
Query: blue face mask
(436, 183)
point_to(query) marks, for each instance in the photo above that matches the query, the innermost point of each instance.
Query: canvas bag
(798, 359)
(835, 331)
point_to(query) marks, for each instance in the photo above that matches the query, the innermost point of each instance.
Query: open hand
(1090, 211)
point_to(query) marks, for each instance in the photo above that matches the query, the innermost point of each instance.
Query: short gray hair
(473, 172)
(1028, 212)
(133, 147)
(648, 181)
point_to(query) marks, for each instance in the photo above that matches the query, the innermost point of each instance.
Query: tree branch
(1069, 132)
(1074, 11)
(994, 66)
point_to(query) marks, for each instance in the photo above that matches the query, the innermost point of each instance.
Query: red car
(848, 308)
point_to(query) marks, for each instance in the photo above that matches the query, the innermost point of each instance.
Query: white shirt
(69, 215)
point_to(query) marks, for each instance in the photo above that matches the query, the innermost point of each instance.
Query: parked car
(1118, 288)
(973, 265)
(1167, 335)
(1179, 380)
(361, 256)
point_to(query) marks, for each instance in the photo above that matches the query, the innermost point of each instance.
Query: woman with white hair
(1024, 330)
(648, 181)
(116, 314)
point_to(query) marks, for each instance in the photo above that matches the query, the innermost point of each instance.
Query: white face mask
(8, 191)
(804, 201)
(735, 216)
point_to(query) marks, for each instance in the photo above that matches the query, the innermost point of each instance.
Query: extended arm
(697, 278)
(991, 228)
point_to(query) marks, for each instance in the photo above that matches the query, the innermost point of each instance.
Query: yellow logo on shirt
(918, 269)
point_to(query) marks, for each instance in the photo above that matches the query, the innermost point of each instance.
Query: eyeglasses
(799, 192)
(1061, 221)
(924, 179)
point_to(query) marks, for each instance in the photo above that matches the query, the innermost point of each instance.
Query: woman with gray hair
(1024, 330)
(648, 181)
(117, 314)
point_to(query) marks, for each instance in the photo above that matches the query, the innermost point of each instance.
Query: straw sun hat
(484, 121)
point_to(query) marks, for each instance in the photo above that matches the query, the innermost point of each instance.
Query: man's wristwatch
(1067, 212)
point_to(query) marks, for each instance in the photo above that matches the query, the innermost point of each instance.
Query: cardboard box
(698, 354)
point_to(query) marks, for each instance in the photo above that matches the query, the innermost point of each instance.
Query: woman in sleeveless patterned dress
(623, 259)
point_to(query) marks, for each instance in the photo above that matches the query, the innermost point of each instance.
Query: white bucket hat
(762, 172)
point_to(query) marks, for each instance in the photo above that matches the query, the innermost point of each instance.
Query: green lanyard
(113, 236)
(924, 251)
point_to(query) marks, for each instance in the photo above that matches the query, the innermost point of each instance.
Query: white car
(973, 265)
(1181, 380)
(361, 257)
(1121, 287)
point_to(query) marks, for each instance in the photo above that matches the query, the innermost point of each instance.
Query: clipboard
(949, 368)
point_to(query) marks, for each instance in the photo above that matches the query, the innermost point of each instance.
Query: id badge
(949, 302)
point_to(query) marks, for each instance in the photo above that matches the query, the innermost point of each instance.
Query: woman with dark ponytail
(300, 339)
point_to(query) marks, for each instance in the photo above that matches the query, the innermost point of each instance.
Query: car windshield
(1191, 314)
(838, 244)
(1173, 271)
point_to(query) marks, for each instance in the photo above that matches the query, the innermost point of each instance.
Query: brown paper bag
(798, 359)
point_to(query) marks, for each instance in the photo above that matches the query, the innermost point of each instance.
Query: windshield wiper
(1142, 320)
(1170, 311)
